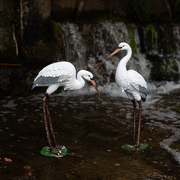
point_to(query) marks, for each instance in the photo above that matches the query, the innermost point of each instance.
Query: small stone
(117, 164)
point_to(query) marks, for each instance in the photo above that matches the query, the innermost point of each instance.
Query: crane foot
(129, 147)
(58, 151)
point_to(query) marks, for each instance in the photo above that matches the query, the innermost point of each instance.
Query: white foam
(167, 142)
(113, 89)
(164, 88)
(10, 104)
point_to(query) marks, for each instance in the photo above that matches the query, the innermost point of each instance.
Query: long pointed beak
(94, 84)
(112, 54)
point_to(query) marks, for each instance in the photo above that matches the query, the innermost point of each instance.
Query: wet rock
(5, 74)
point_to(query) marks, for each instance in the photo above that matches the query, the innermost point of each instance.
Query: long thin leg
(139, 127)
(46, 123)
(50, 121)
(134, 114)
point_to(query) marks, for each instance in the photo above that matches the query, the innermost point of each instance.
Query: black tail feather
(143, 99)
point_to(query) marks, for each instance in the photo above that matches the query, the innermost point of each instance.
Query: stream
(93, 128)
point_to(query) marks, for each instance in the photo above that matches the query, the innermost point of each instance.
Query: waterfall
(73, 42)
(87, 46)
(155, 55)
(176, 32)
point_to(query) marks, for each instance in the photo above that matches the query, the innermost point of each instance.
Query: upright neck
(122, 64)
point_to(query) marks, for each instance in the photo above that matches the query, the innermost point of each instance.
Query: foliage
(139, 10)
(13, 21)
(177, 2)
(150, 29)
(106, 16)
(151, 36)
(132, 40)
(169, 69)
(53, 27)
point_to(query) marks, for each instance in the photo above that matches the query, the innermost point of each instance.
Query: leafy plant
(132, 40)
(177, 2)
(139, 10)
(151, 37)
(53, 27)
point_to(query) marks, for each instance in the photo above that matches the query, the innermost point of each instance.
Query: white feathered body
(59, 74)
(130, 81)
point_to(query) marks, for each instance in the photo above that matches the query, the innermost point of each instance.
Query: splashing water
(75, 49)
(105, 37)
(97, 126)
(94, 128)
(88, 45)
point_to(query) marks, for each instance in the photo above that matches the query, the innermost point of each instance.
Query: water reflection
(93, 128)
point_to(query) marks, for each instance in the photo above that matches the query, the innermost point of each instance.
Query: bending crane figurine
(132, 83)
(53, 76)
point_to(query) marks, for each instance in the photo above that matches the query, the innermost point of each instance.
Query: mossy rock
(164, 68)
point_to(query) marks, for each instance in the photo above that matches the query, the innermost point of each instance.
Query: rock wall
(8, 12)
(33, 38)
(91, 9)
(38, 44)
(40, 38)
(31, 17)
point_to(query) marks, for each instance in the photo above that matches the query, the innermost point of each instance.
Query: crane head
(121, 46)
(89, 77)
(116, 51)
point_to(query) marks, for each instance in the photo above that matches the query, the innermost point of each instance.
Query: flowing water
(87, 46)
(93, 128)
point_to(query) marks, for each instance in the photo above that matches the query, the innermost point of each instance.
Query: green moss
(13, 21)
(98, 17)
(166, 41)
(151, 37)
(53, 27)
(132, 40)
(150, 30)
(168, 44)
(168, 69)
(110, 17)
(177, 2)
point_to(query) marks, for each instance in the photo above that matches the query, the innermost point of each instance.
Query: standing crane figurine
(133, 84)
(53, 76)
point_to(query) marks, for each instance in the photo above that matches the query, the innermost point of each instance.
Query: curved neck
(79, 83)
(122, 64)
